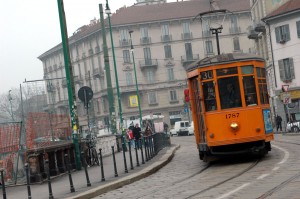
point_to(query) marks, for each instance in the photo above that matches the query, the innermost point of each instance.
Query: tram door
(195, 91)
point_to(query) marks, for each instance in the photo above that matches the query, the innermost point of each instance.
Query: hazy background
(31, 27)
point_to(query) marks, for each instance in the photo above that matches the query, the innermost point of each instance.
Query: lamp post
(108, 12)
(10, 99)
(136, 84)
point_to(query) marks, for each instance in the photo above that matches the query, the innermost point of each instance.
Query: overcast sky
(31, 27)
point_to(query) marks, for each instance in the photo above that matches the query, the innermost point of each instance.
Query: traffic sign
(85, 94)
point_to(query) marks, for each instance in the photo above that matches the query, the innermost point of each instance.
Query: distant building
(166, 38)
(284, 27)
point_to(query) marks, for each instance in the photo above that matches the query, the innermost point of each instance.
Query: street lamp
(136, 84)
(108, 12)
(10, 99)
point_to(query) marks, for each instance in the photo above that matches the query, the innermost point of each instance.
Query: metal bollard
(145, 145)
(124, 157)
(114, 160)
(72, 189)
(88, 183)
(27, 180)
(48, 179)
(130, 156)
(149, 148)
(3, 183)
(136, 154)
(142, 153)
(101, 165)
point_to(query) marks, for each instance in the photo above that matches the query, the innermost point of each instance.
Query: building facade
(284, 27)
(166, 38)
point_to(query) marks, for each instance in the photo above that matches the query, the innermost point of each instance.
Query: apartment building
(284, 27)
(259, 33)
(166, 38)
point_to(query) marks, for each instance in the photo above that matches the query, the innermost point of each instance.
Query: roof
(223, 59)
(153, 13)
(286, 8)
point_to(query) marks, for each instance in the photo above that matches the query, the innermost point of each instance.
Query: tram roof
(223, 59)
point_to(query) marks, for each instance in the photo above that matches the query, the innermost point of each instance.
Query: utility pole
(108, 77)
(70, 82)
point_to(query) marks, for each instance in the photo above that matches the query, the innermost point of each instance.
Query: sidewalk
(61, 186)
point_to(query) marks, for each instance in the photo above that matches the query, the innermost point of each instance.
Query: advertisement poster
(267, 121)
(133, 101)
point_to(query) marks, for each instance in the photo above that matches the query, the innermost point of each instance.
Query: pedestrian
(166, 126)
(137, 135)
(148, 131)
(130, 137)
(278, 122)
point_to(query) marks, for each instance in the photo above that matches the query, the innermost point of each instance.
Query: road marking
(275, 168)
(233, 191)
(286, 154)
(262, 176)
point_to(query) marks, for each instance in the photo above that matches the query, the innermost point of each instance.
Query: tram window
(246, 70)
(262, 85)
(249, 90)
(209, 96)
(229, 91)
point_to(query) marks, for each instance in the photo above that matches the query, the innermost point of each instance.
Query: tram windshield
(229, 91)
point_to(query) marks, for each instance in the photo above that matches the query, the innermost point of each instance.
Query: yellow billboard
(133, 99)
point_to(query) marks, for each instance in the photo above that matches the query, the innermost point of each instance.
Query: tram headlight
(234, 126)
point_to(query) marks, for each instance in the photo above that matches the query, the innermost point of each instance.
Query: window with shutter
(286, 69)
(291, 63)
(281, 70)
(282, 34)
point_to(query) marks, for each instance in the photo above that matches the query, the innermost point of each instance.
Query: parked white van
(180, 128)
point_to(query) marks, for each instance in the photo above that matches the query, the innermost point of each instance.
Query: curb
(166, 158)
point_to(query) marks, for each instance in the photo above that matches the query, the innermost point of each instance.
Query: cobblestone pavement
(181, 178)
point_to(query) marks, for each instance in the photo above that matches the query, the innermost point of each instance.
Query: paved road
(184, 177)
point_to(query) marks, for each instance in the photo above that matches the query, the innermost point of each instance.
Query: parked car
(293, 126)
(180, 128)
(191, 128)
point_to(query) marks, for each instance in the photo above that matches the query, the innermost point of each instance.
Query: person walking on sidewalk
(137, 135)
(278, 122)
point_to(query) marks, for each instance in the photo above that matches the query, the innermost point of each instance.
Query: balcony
(50, 88)
(234, 30)
(259, 27)
(166, 38)
(186, 36)
(128, 89)
(91, 52)
(62, 104)
(189, 58)
(97, 49)
(78, 79)
(145, 40)
(147, 63)
(252, 34)
(124, 42)
(97, 73)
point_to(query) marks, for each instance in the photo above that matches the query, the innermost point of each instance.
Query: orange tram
(230, 105)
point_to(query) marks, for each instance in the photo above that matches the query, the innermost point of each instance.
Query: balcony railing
(125, 42)
(78, 79)
(62, 104)
(145, 40)
(189, 58)
(252, 34)
(259, 27)
(187, 35)
(97, 73)
(166, 38)
(234, 30)
(148, 63)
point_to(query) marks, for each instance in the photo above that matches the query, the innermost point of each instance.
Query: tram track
(226, 180)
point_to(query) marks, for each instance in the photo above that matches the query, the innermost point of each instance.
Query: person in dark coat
(278, 122)
(137, 134)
